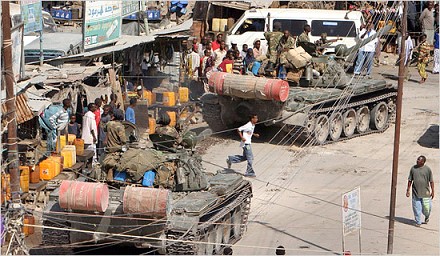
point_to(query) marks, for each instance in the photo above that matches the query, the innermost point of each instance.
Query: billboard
(130, 7)
(32, 15)
(102, 22)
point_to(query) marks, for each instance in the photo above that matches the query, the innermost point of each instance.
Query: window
(251, 25)
(333, 28)
(295, 27)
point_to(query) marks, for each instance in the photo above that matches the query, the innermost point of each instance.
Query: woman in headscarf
(249, 59)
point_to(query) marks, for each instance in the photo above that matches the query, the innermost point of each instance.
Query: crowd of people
(100, 128)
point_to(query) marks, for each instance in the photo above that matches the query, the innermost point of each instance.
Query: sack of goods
(298, 57)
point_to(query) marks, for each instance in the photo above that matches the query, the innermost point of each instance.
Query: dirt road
(297, 192)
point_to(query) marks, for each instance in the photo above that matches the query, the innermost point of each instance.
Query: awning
(179, 28)
(235, 5)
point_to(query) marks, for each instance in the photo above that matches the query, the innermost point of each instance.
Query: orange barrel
(183, 94)
(69, 155)
(146, 201)
(62, 140)
(24, 178)
(35, 174)
(277, 89)
(58, 163)
(86, 196)
(169, 99)
(149, 96)
(216, 80)
(6, 188)
(28, 219)
(173, 117)
(79, 145)
(47, 169)
(151, 125)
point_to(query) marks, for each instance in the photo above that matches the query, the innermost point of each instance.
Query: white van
(253, 24)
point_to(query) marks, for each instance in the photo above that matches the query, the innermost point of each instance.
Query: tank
(326, 106)
(186, 211)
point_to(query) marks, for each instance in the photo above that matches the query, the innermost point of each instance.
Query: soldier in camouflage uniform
(273, 40)
(286, 43)
(115, 141)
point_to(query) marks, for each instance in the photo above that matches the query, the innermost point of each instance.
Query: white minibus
(253, 23)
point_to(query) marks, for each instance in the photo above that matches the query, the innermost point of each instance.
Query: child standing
(423, 49)
(74, 127)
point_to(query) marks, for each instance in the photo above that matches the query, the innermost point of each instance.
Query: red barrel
(277, 89)
(215, 82)
(146, 201)
(86, 196)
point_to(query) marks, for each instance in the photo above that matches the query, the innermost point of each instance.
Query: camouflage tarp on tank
(137, 161)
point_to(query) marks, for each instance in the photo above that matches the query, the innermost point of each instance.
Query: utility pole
(143, 7)
(15, 210)
(397, 133)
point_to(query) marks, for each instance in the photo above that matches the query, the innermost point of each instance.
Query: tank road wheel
(379, 116)
(322, 127)
(237, 219)
(363, 117)
(336, 126)
(227, 228)
(349, 122)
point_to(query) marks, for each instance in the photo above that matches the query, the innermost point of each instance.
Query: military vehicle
(327, 108)
(186, 211)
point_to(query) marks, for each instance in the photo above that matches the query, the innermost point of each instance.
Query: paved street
(297, 192)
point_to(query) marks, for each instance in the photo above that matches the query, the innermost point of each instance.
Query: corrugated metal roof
(23, 111)
(186, 25)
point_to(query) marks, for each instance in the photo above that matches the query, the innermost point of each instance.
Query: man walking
(420, 177)
(246, 131)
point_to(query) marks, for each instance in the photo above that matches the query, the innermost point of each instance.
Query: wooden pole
(10, 105)
(397, 134)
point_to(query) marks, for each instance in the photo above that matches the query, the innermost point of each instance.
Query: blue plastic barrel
(256, 67)
(148, 179)
(120, 176)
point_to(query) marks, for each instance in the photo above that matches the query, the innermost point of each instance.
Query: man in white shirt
(90, 130)
(246, 132)
(220, 54)
(366, 52)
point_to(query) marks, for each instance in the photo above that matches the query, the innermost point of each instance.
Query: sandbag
(298, 57)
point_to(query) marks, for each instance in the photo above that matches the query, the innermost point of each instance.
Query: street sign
(102, 22)
(32, 15)
(351, 211)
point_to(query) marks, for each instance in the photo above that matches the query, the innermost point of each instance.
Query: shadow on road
(430, 139)
(296, 237)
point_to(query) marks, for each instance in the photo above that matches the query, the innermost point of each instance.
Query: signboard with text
(351, 211)
(102, 22)
(32, 15)
(17, 37)
(130, 7)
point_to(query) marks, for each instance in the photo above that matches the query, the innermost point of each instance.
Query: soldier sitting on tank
(323, 42)
(273, 39)
(115, 141)
(286, 43)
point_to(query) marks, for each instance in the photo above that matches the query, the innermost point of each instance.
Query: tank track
(56, 238)
(202, 231)
(353, 105)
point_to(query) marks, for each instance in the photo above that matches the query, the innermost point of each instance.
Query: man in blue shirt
(436, 68)
(129, 113)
